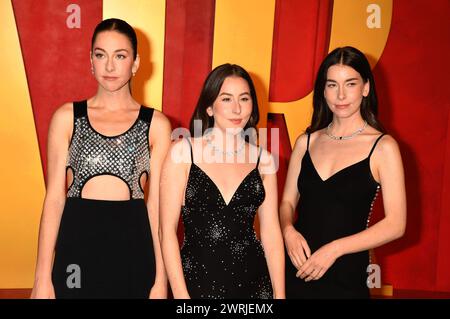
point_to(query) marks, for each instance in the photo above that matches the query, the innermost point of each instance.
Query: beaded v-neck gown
(330, 209)
(221, 255)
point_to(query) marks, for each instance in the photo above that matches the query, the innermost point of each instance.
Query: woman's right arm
(296, 245)
(59, 134)
(172, 187)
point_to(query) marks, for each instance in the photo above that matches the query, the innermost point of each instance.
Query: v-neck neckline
(217, 187)
(337, 172)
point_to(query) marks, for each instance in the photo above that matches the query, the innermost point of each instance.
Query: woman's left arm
(271, 237)
(159, 139)
(388, 169)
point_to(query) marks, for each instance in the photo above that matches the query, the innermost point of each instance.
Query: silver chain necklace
(358, 131)
(218, 150)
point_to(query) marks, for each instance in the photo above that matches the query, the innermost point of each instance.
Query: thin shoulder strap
(190, 146)
(307, 143)
(79, 109)
(259, 156)
(375, 144)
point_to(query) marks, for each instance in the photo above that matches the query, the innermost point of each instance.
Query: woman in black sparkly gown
(335, 172)
(104, 234)
(219, 182)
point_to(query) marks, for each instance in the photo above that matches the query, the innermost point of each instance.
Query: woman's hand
(43, 290)
(297, 247)
(158, 291)
(319, 262)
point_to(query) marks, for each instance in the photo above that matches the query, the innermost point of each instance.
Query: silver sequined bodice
(125, 156)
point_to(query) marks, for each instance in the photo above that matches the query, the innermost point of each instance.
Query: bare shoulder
(160, 121)
(301, 143)
(159, 116)
(160, 130)
(300, 146)
(268, 164)
(62, 119)
(265, 156)
(387, 145)
(387, 153)
(179, 152)
(63, 113)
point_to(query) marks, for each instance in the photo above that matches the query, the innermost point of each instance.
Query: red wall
(413, 84)
(56, 59)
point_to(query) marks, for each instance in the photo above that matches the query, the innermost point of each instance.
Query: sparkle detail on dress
(125, 156)
(370, 214)
(221, 255)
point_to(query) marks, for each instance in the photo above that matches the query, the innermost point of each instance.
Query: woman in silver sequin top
(97, 217)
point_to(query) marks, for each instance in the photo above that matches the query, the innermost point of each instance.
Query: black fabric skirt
(104, 250)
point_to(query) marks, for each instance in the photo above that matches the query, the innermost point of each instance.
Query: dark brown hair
(120, 26)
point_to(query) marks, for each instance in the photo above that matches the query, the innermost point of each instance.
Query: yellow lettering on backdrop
(243, 35)
(350, 26)
(22, 181)
(243, 32)
(148, 19)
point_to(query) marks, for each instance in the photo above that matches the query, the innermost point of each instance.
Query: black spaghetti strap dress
(221, 256)
(104, 248)
(330, 209)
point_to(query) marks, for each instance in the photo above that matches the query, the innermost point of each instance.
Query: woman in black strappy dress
(219, 182)
(335, 173)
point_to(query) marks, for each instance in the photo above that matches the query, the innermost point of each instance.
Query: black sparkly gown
(104, 248)
(330, 209)
(221, 255)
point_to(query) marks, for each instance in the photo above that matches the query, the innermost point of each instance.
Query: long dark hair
(210, 91)
(120, 26)
(352, 57)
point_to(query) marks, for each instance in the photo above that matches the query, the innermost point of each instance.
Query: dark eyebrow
(348, 80)
(114, 51)
(225, 93)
